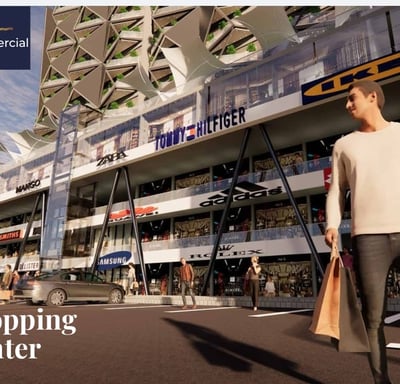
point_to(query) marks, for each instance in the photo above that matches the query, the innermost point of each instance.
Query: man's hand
(331, 236)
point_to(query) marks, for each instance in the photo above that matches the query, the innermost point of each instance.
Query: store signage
(226, 251)
(243, 191)
(113, 260)
(27, 186)
(10, 235)
(111, 158)
(15, 37)
(29, 266)
(125, 214)
(37, 231)
(202, 128)
(332, 85)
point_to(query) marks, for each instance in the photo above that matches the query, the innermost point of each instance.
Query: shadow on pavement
(235, 355)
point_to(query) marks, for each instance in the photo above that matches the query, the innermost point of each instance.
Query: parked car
(59, 287)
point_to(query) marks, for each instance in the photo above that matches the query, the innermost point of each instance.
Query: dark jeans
(254, 287)
(373, 257)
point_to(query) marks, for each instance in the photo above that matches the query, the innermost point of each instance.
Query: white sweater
(367, 163)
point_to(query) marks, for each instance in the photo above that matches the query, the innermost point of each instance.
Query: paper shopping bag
(325, 319)
(5, 294)
(352, 331)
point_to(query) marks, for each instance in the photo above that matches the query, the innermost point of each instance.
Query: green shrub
(230, 49)
(113, 105)
(251, 47)
(222, 24)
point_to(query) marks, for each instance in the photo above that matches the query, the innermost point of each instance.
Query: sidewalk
(393, 305)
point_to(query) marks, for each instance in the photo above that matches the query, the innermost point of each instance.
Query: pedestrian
(365, 161)
(252, 276)
(186, 276)
(164, 285)
(131, 278)
(6, 281)
(14, 282)
(270, 290)
(7, 277)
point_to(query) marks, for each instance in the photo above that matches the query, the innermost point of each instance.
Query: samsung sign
(113, 260)
(332, 85)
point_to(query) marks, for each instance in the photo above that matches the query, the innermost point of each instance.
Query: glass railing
(278, 233)
(255, 177)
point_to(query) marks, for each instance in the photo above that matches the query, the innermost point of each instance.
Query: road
(96, 344)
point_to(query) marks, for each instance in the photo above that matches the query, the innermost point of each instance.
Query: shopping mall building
(196, 132)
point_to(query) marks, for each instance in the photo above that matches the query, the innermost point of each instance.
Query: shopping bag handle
(336, 254)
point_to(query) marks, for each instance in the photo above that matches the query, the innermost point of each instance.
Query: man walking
(365, 161)
(186, 275)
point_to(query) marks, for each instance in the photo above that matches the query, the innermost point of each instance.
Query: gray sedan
(59, 287)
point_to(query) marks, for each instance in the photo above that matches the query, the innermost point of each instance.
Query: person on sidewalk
(253, 276)
(131, 278)
(186, 276)
(365, 161)
(6, 282)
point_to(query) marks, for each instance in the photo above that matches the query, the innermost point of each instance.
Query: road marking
(200, 309)
(392, 319)
(137, 307)
(393, 345)
(281, 313)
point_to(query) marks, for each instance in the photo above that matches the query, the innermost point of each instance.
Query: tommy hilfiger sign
(202, 128)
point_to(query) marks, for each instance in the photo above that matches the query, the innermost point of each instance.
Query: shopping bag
(353, 334)
(337, 313)
(325, 319)
(5, 294)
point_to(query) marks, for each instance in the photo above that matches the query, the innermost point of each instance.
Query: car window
(93, 278)
(71, 276)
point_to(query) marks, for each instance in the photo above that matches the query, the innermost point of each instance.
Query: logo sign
(202, 128)
(10, 235)
(243, 191)
(26, 187)
(111, 158)
(228, 250)
(125, 214)
(15, 35)
(375, 70)
(113, 260)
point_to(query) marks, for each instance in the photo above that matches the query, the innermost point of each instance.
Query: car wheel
(56, 297)
(115, 297)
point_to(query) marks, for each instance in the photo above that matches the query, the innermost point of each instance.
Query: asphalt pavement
(119, 344)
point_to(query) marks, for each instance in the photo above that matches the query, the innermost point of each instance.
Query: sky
(19, 89)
